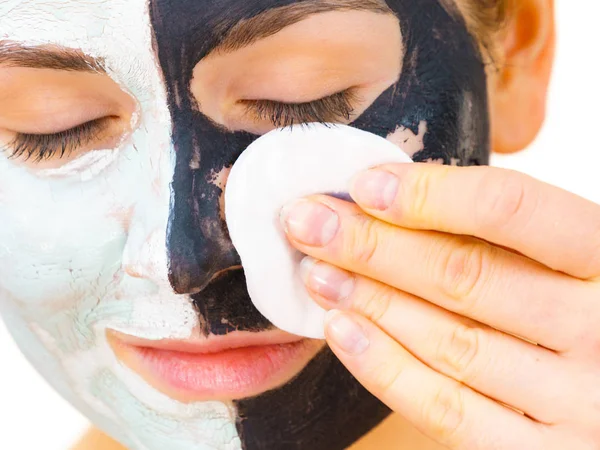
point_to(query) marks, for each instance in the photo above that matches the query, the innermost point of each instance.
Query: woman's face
(119, 121)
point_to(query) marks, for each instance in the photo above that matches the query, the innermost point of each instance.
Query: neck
(396, 433)
(393, 434)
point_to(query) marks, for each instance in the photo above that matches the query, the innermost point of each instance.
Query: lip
(238, 365)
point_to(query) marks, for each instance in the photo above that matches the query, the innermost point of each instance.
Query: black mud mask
(442, 83)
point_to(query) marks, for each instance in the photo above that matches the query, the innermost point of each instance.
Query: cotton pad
(281, 166)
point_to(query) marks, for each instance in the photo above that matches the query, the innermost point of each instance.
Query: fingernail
(310, 222)
(375, 189)
(331, 283)
(345, 333)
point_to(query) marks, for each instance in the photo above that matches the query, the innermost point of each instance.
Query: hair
(273, 20)
(486, 20)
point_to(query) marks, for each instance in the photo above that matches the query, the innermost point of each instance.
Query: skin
(441, 86)
(493, 303)
(81, 102)
(523, 276)
(527, 81)
(345, 61)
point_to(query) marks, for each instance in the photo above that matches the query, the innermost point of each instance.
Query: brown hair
(273, 20)
(486, 20)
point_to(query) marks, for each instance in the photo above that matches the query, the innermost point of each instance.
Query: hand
(466, 299)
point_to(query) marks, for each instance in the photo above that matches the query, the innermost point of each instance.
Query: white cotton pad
(281, 166)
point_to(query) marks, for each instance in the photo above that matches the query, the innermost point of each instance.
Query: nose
(198, 242)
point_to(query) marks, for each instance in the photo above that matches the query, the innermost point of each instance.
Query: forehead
(91, 24)
(116, 30)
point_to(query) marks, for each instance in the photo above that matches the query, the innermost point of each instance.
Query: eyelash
(334, 108)
(42, 147)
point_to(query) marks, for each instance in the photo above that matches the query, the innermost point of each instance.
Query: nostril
(224, 305)
(133, 271)
(199, 249)
(217, 275)
(184, 283)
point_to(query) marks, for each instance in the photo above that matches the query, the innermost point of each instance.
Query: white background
(567, 154)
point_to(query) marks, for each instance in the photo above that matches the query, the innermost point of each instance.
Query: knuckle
(417, 192)
(376, 305)
(386, 376)
(503, 200)
(461, 269)
(459, 351)
(362, 244)
(444, 414)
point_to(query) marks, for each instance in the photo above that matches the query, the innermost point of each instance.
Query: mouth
(231, 367)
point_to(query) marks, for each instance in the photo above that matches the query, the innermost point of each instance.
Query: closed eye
(338, 107)
(37, 148)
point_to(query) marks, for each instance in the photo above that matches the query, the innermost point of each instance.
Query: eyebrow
(242, 34)
(271, 21)
(53, 57)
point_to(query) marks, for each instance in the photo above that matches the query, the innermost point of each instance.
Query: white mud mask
(83, 251)
(279, 167)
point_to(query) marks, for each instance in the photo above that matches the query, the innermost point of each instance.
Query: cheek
(408, 141)
(61, 240)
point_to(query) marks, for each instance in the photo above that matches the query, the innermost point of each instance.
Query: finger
(445, 410)
(462, 274)
(548, 224)
(499, 366)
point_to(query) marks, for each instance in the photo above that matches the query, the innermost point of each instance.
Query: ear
(519, 89)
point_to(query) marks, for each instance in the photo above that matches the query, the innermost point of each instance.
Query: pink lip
(235, 366)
